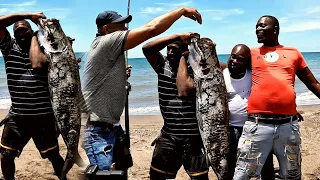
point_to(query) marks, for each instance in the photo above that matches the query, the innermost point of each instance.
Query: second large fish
(64, 85)
(212, 104)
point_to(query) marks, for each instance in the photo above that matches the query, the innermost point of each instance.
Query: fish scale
(212, 104)
(64, 85)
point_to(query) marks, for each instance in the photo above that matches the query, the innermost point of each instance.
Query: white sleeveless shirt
(238, 94)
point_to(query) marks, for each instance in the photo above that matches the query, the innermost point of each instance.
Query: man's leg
(166, 159)
(7, 166)
(194, 158)
(14, 137)
(44, 136)
(99, 146)
(56, 160)
(268, 172)
(254, 146)
(287, 148)
(235, 134)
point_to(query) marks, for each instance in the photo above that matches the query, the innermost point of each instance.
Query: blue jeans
(259, 139)
(267, 172)
(99, 143)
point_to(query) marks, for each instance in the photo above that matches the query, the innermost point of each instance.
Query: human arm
(300, 117)
(185, 84)
(152, 49)
(36, 56)
(9, 19)
(158, 25)
(306, 76)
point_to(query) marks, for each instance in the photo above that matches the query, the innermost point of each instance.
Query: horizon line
(218, 54)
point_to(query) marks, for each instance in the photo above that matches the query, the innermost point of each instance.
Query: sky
(226, 22)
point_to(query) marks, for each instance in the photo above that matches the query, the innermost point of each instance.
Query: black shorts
(173, 151)
(18, 130)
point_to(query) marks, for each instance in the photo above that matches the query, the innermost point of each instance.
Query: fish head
(203, 57)
(50, 36)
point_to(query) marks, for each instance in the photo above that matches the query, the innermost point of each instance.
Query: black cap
(70, 39)
(111, 17)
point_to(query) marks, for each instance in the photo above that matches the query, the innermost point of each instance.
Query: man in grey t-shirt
(104, 80)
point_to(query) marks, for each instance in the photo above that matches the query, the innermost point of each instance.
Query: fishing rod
(128, 89)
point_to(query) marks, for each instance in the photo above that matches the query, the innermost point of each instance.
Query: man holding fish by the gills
(272, 124)
(237, 77)
(31, 114)
(104, 80)
(179, 142)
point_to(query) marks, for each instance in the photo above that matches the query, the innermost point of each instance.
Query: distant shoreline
(300, 108)
(218, 54)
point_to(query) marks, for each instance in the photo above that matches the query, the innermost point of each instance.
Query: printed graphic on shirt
(271, 57)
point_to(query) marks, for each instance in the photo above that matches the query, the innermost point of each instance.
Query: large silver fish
(212, 104)
(64, 85)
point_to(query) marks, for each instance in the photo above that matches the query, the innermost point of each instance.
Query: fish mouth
(196, 59)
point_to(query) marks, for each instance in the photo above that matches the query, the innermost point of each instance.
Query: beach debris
(212, 104)
(64, 86)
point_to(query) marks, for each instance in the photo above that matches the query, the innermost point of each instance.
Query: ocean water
(143, 98)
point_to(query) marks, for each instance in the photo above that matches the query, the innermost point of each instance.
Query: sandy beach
(144, 129)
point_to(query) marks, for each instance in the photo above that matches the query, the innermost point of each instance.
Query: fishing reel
(92, 172)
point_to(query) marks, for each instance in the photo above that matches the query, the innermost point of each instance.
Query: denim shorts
(99, 143)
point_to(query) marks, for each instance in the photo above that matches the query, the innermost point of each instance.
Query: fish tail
(71, 154)
(67, 166)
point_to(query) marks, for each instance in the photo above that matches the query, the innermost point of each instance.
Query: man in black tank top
(179, 142)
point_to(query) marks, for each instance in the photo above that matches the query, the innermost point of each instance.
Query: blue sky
(226, 22)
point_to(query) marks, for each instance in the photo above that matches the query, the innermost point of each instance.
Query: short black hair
(22, 22)
(274, 21)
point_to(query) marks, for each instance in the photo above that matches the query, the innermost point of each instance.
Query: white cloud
(283, 20)
(27, 3)
(32, 6)
(301, 26)
(217, 14)
(163, 7)
(313, 10)
(181, 4)
(224, 12)
(152, 10)
(3, 10)
(221, 14)
(302, 20)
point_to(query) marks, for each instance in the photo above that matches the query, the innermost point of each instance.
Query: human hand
(300, 117)
(128, 70)
(193, 14)
(186, 37)
(34, 17)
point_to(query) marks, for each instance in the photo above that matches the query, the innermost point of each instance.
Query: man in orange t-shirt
(272, 124)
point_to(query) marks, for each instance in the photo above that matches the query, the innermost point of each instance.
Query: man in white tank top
(237, 76)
